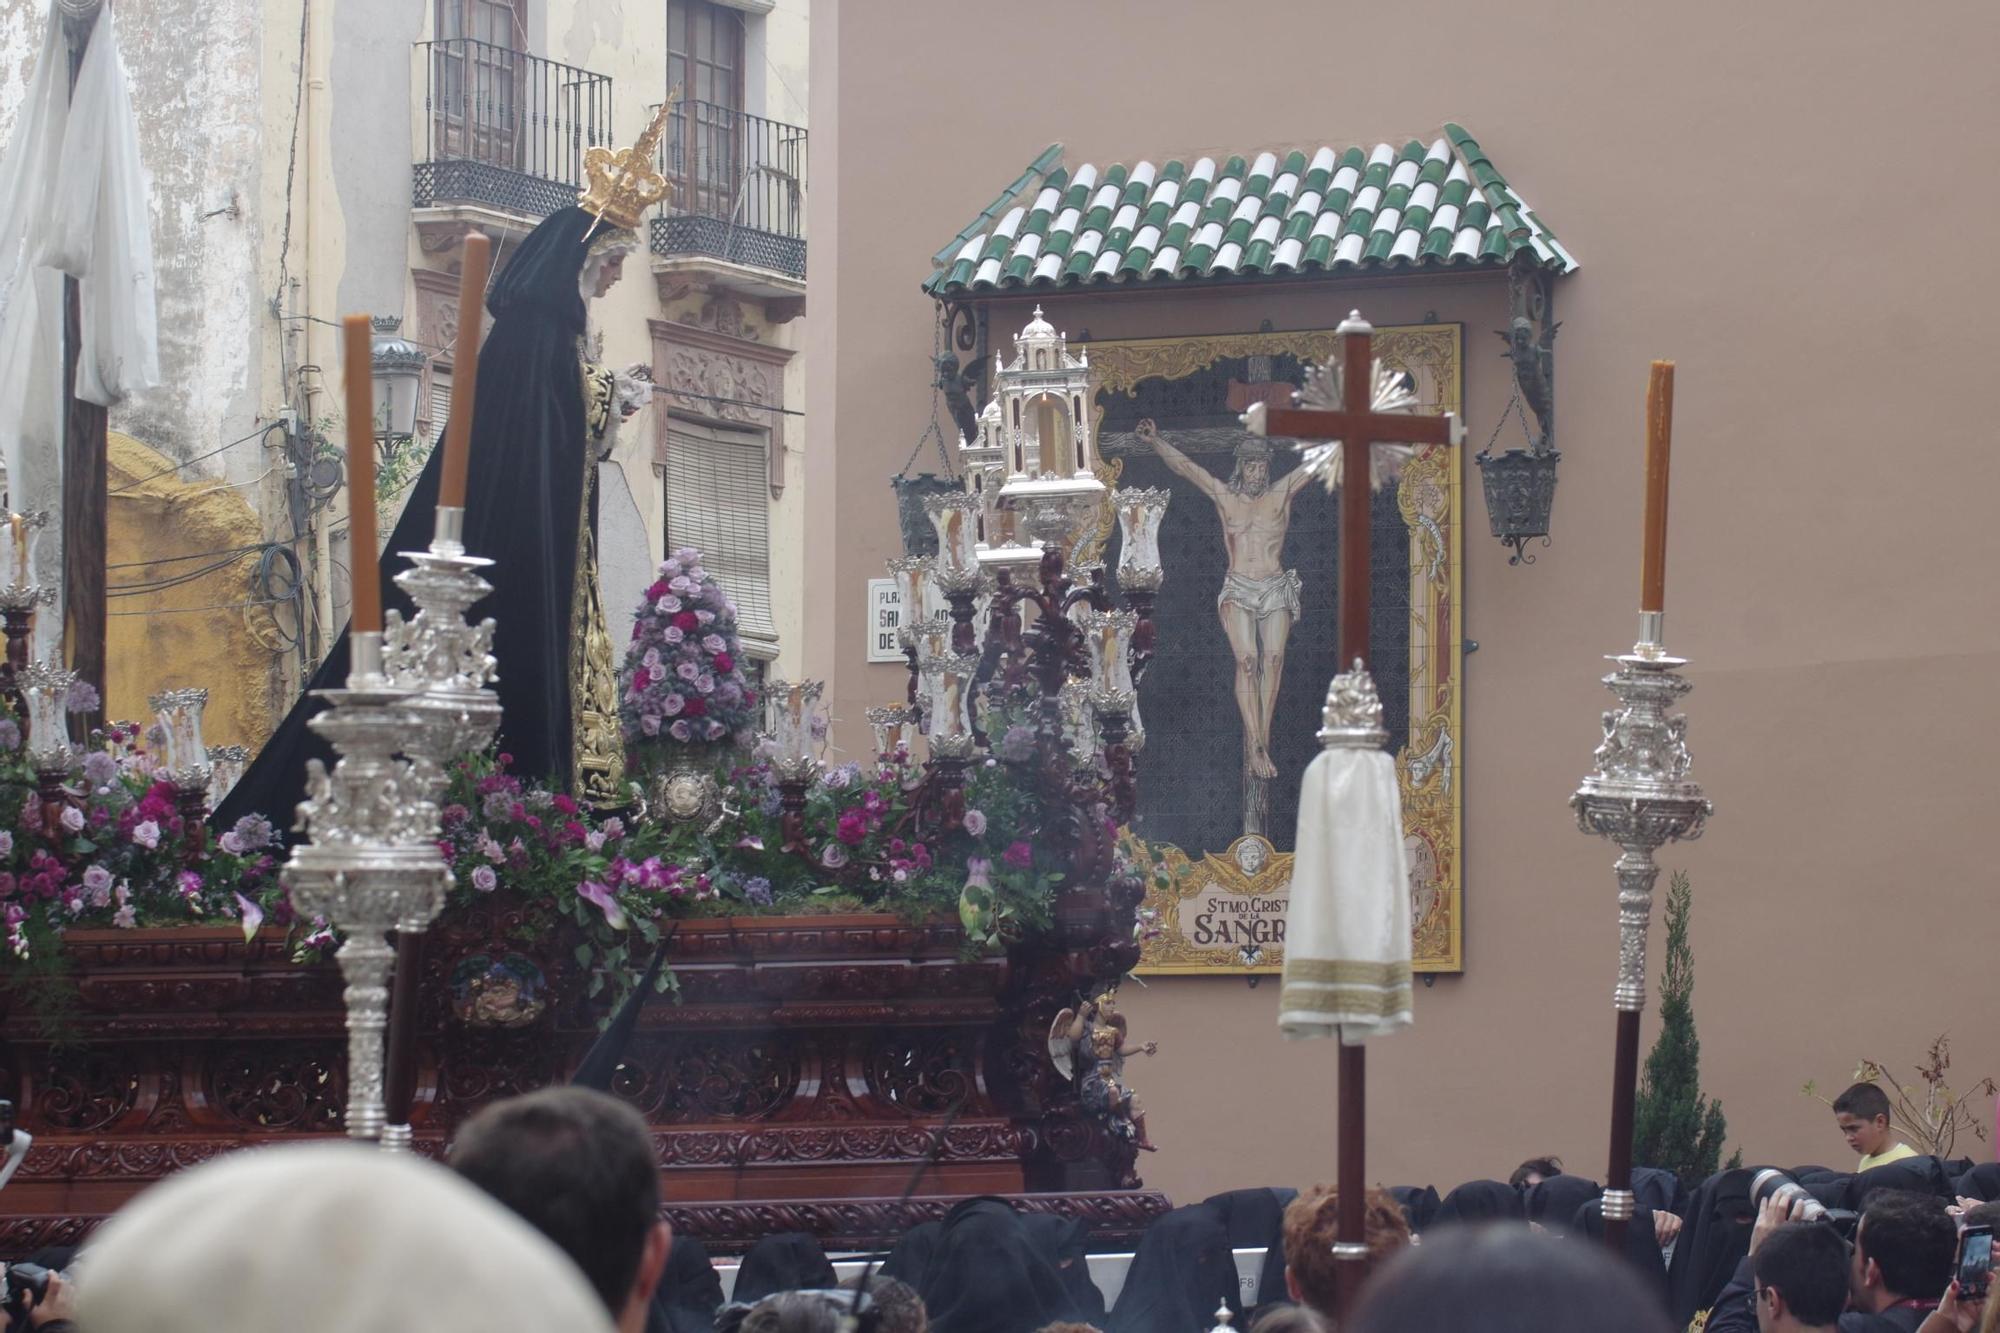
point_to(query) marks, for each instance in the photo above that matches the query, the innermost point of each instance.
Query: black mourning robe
(988, 1275)
(525, 502)
(788, 1261)
(1554, 1202)
(1255, 1220)
(1181, 1273)
(1480, 1201)
(1715, 1237)
(1642, 1245)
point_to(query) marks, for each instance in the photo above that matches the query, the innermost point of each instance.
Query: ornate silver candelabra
(1639, 796)
(371, 860)
(445, 663)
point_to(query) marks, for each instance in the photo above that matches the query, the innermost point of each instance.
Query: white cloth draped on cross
(1347, 931)
(73, 200)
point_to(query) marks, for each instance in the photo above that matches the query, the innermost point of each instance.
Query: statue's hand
(1147, 431)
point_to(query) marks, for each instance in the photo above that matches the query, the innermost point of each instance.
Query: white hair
(325, 1238)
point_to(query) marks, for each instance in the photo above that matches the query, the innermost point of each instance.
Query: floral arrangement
(118, 851)
(682, 680)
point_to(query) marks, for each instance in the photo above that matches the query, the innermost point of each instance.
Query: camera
(1771, 1183)
(27, 1287)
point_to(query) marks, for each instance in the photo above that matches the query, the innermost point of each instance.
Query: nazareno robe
(530, 508)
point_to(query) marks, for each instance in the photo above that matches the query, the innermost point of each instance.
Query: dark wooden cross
(85, 496)
(1358, 427)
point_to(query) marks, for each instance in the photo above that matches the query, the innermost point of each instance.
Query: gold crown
(624, 183)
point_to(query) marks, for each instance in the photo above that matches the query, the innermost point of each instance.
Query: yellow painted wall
(231, 650)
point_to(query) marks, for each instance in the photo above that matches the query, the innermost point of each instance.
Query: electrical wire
(263, 430)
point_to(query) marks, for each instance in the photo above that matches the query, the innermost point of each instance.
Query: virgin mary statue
(542, 418)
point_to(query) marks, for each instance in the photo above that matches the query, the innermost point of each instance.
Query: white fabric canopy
(72, 201)
(1347, 931)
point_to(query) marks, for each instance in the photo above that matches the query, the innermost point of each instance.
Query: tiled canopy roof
(1271, 216)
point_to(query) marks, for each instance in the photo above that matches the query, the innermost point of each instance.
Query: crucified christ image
(1259, 600)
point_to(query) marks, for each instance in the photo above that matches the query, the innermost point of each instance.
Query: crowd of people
(548, 1216)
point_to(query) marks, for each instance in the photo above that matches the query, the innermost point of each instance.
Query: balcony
(736, 217)
(503, 136)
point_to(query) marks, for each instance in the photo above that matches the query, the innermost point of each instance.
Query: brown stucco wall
(1780, 197)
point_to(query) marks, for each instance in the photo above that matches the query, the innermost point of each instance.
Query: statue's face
(608, 273)
(1253, 476)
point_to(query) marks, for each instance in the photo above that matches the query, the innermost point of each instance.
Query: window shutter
(718, 489)
(440, 402)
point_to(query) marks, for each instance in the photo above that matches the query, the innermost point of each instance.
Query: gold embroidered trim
(1344, 972)
(1384, 1004)
(598, 743)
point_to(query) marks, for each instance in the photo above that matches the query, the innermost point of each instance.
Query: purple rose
(714, 730)
(681, 583)
(99, 768)
(705, 617)
(672, 634)
(975, 823)
(72, 819)
(715, 644)
(484, 880)
(669, 604)
(97, 880)
(833, 856)
(688, 671)
(672, 705)
(649, 724)
(10, 734)
(680, 730)
(232, 844)
(652, 658)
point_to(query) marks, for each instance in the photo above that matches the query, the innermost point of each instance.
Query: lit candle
(365, 576)
(1659, 442)
(464, 372)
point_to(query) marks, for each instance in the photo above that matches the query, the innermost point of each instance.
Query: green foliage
(1674, 1125)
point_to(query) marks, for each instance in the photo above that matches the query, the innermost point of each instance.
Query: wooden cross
(1358, 426)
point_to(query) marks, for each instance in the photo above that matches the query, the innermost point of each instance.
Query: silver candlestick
(1640, 797)
(371, 859)
(446, 663)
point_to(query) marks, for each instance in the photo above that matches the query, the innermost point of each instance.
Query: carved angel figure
(1088, 1046)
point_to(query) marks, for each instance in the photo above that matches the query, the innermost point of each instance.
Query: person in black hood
(1480, 1201)
(788, 1261)
(989, 1276)
(1420, 1204)
(1982, 1182)
(1255, 1220)
(1061, 1241)
(690, 1291)
(1713, 1240)
(910, 1259)
(530, 506)
(1181, 1272)
(1642, 1249)
(1553, 1204)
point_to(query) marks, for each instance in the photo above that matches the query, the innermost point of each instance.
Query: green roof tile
(1310, 208)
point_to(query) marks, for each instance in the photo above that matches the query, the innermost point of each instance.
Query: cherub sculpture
(1088, 1046)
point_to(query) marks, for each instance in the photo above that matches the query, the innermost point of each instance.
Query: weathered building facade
(315, 158)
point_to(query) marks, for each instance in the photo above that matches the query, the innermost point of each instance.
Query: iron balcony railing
(504, 128)
(739, 188)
